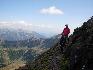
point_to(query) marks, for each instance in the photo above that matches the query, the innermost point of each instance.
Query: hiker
(64, 37)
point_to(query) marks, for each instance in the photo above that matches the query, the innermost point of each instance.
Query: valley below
(13, 58)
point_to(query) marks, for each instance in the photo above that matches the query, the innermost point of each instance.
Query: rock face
(78, 54)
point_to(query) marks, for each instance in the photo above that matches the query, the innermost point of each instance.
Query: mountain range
(24, 45)
(18, 34)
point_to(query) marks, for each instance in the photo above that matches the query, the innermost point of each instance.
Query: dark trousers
(63, 41)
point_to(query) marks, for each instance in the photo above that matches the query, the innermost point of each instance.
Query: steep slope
(46, 61)
(78, 53)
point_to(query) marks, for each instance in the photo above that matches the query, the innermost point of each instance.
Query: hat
(66, 25)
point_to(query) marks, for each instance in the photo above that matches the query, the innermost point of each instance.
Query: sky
(47, 17)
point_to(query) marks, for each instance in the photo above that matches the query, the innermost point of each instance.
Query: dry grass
(13, 66)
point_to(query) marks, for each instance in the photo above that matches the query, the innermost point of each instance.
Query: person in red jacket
(66, 31)
(64, 37)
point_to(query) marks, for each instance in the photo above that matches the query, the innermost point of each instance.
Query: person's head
(66, 25)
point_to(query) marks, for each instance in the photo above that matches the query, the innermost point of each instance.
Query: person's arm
(69, 30)
(61, 33)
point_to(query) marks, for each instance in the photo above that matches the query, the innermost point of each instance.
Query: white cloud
(28, 26)
(15, 24)
(51, 10)
(25, 25)
(22, 21)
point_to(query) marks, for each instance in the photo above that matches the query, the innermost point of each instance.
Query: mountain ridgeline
(19, 38)
(10, 34)
(10, 38)
(78, 54)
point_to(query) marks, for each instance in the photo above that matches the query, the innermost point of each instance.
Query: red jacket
(66, 31)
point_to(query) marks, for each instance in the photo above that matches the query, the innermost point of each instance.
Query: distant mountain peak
(18, 34)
